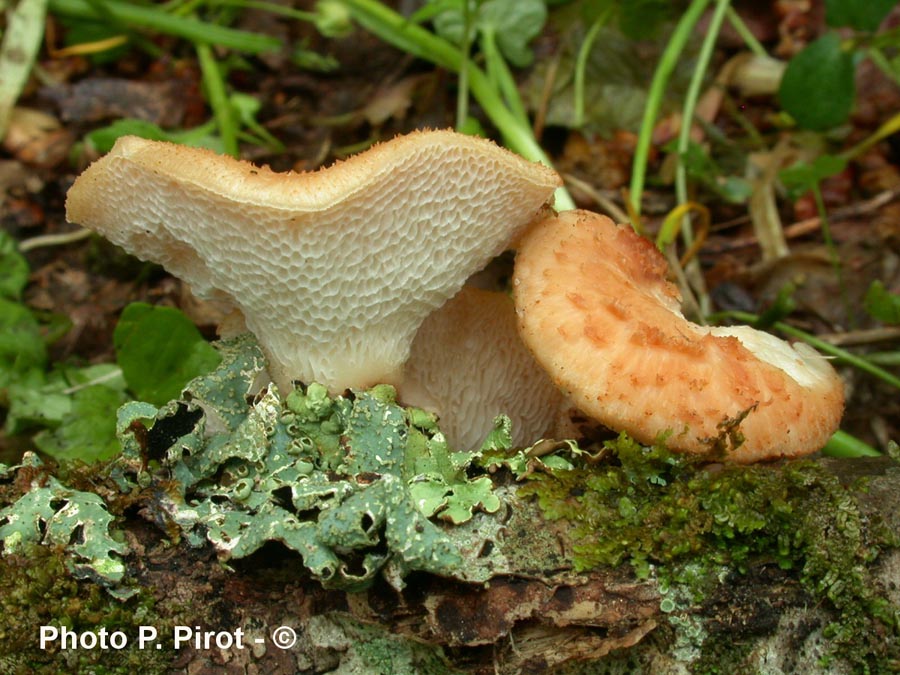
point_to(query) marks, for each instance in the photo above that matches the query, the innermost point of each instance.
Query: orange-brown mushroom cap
(596, 310)
(333, 270)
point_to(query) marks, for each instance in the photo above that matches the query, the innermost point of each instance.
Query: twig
(106, 377)
(863, 337)
(605, 203)
(809, 225)
(53, 240)
(540, 113)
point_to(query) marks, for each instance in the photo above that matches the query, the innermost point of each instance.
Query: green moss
(38, 590)
(371, 650)
(687, 520)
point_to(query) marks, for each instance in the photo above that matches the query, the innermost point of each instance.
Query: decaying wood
(510, 625)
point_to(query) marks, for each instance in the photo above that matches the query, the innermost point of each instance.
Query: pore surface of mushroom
(333, 270)
(596, 309)
(468, 365)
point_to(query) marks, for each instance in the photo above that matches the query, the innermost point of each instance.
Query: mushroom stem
(469, 365)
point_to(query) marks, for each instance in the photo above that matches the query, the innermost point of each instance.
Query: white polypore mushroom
(332, 270)
(596, 310)
(469, 365)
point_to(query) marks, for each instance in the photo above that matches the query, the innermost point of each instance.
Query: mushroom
(333, 270)
(596, 310)
(469, 365)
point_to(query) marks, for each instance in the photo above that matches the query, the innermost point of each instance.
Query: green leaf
(449, 20)
(865, 16)
(76, 409)
(159, 351)
(818, 88)
(34, 404)
(701, 167)
(783, 305)
(247, 107)
(332, 19)
(802, 176)
(642, 19)
(103, 139)
(24, 30)
(22, 350)
(14, 268)
(636, 19)
(514, 23)
(87, 432)
(881, 304)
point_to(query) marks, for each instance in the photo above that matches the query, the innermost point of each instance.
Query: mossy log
(760, 619)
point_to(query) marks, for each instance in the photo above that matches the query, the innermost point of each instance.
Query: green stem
(218, 99)
(684, 138)
(888, 128)
(517, 138)
(664, 68)
(113, 22)
(833, 255)
(193, 30)
(746, 34)
(891, 359)
(842, 444)
(396, 30)
(825, 224)
(462, 85)
(690, 106)
(501, 78)
(185, 8)
(885, 39)
(271, 7)
(584, 52)
(826, 347)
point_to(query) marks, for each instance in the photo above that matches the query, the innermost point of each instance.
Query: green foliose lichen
(74, 521)
(356, 485)
(686, 521)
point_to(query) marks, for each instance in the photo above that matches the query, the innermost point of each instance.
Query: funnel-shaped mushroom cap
(595, 308)
(468, 365)
(332, 270)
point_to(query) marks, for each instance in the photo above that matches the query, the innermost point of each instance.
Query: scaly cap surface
(596, 310)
